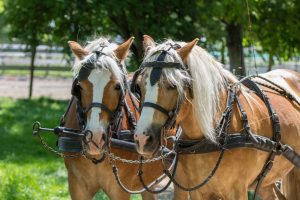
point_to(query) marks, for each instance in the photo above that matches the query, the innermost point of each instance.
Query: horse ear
(186, 49)
(148, 43)
(77, 50)
(122, 51)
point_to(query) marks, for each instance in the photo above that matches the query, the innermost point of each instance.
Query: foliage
(278, 25)
(28, 20)
(275, 24)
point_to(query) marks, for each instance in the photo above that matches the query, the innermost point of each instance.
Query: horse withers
(181, 84)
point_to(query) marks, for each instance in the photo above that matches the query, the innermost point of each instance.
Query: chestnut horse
(103, 84)
(197, 83)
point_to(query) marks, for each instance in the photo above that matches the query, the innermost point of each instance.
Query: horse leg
(77, 188)
(271, 192)
(117, 194)
(236, 193)
(180, 194)
(149, 196)
(291, 184)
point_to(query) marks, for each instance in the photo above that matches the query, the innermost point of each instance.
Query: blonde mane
(208, 80)
(103, 62)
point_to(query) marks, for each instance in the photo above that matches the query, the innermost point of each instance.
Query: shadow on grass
(27, 170)
(17, 144)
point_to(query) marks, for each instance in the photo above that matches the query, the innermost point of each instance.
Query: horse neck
(189, 122)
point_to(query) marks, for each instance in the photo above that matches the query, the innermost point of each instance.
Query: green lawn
(27, 171)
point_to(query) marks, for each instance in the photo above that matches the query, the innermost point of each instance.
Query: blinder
(157, 67)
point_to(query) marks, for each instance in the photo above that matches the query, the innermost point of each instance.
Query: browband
(162, 64)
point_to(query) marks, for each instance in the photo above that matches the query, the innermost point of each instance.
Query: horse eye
(118, 86)
(171, 87)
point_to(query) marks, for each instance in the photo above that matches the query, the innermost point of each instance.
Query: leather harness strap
(156, 107)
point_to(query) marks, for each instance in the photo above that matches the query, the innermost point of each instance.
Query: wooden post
(33, 53)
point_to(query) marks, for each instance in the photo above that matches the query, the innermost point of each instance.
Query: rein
(225, 140)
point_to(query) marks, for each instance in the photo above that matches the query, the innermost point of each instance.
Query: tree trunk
(271, 62)
(234, 42)
(137, 47)
(223, 53)
(33, 52)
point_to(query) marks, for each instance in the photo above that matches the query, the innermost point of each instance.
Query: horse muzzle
(94, 142)
(147, 143)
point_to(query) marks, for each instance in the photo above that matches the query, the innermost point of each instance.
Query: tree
(158, 18)
(29, 23)
(224, 20)
(278, 25)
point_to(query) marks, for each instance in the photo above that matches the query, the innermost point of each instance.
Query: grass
(27, 171)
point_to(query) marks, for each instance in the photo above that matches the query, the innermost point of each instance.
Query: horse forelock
(100, 63)
(174, 76)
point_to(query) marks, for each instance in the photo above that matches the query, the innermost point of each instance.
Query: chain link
(128, 161)
(113, 158)
(105, 152)
(47, 147)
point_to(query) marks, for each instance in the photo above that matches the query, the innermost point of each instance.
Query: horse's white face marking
(151, 95)
(99, 81)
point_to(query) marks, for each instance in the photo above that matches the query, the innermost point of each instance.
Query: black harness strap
(162, 64)
(156, 71)
(156, 107)
(99, 105)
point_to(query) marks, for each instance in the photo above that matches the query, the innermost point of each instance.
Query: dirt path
(18, 87)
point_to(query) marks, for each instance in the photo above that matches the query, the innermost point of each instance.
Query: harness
(225, 139)
(70, 140)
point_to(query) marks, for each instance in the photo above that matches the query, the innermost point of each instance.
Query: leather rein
(225, 139)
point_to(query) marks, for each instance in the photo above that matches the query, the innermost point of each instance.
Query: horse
(103, 84)
(181, 84)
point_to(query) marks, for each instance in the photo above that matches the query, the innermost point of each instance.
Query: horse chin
(151, 152)
(93, 150)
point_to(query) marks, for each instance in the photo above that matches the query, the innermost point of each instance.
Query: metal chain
(47, 147)
(124, 160)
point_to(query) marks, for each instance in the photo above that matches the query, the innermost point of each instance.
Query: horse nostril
(135, 136)
(150, 139)
(145, 133)
(137, 144)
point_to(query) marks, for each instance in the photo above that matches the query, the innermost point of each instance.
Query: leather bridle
(115, 115)
(158, 65)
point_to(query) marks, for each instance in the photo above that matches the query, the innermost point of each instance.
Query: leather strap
(156, 107)
(99, 105)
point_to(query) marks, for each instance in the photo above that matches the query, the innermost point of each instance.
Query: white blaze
(99, 81)
(146, 118)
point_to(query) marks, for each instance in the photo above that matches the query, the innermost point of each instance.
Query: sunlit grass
(27, 170)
